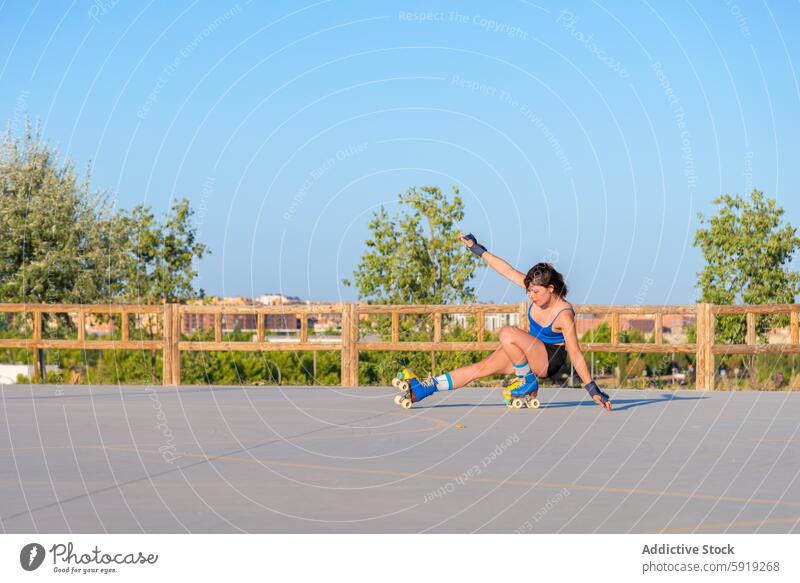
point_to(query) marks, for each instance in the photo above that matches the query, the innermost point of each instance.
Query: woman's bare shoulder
(564, 313)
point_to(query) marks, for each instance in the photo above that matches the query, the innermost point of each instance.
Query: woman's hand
(472, 244)
(493, 261)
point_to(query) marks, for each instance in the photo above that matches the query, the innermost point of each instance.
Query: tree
(57, 244)
(159, 265)
(63, 243)
(604, 361)
(747, 250)
(415, 257)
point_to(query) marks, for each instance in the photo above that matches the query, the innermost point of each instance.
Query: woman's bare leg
(520, 346)
(495, 363)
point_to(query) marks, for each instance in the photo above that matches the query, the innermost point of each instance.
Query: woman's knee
(507, 333)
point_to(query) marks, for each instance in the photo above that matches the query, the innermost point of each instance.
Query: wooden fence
(351, 342)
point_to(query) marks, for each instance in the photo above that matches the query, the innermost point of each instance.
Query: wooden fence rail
(352, 314)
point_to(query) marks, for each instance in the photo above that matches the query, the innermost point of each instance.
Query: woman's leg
(520, 346)
(495, 363)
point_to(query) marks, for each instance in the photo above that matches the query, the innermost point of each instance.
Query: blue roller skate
(402, 382)
(522, 393)
(413, 389)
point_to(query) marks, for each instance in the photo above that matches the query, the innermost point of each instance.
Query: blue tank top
(545, 333)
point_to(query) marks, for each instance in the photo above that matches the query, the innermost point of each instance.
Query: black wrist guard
(476, 247)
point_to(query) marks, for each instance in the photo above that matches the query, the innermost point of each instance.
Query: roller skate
(402, 382)
(522, 393)
(413, 389)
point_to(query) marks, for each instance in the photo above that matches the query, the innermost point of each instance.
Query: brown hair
(544, 274)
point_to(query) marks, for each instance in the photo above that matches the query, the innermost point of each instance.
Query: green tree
(747, 250)
(160, 261)
(63, 243)
(58, 237)
(415, 257)
(603, 361)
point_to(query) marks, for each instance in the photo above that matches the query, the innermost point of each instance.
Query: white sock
(444, 382)
(522, 369)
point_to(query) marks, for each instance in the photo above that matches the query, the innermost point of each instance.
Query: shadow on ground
(619, 404)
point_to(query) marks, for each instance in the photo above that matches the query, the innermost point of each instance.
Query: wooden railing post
(523, 316)
(166, 351)
(124, 331)
(174, 346)
(622, 357)
(705, 323)
(37, 351)
(750, 338)
(345, 345)
(658, 338)
(218, 327)
(354, 327)
(349, 345)
(82, 325)
(303, 327)
(395, 327)
(437, 337)
(701, 329)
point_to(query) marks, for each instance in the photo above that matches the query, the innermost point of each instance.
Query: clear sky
(587, 133)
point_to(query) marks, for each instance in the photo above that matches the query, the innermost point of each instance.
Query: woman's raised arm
(499, 265)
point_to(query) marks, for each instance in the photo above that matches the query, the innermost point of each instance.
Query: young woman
(537, 353)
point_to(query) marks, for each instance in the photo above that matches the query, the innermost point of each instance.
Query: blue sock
(522, 370)
(444, 382)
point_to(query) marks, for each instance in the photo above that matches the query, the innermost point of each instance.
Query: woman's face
(540, 295)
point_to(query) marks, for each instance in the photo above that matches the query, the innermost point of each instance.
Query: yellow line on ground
(449, 478)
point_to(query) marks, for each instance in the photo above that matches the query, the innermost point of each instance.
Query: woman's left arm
(569, 330)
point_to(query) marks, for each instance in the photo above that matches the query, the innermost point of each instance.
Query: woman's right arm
(499, 265)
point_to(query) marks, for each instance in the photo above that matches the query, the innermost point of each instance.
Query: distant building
(494, 322)
(278, 300)
(674, 325)
(491, 322)
(288, 323)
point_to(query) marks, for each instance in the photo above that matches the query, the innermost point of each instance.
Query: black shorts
(556, 355)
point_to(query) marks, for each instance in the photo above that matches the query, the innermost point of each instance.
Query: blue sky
(586, 133)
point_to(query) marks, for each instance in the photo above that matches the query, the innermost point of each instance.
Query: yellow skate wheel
(396, 382)
(533, 404)
(406, 403)
(397, 399)
(517, 403)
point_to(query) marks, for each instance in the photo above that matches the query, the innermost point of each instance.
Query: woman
(537, 353)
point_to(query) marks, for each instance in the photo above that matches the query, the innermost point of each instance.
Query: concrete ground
(301, 459)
